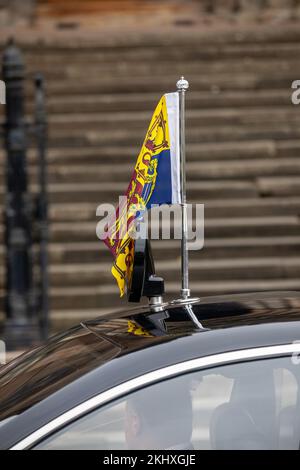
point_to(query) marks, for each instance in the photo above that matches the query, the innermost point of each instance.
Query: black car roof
(105, 352)
(224, 311)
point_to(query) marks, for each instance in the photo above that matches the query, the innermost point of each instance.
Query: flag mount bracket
(144, 282)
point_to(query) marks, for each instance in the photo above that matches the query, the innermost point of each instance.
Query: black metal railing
(25, 214)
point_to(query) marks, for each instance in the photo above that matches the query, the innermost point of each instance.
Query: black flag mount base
(144, 282)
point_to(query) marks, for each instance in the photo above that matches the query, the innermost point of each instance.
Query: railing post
(42, 202)
(20, 328)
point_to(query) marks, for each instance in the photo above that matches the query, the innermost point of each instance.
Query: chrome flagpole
(182, 87)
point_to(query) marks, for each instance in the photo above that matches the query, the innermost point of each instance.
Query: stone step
(220, 248)
(161, 51)
(99, 64)
(225, 81)
(235, 209)
(117, 83)
(244, 268)
(278, 186)
(139, 120)
(198, 58)
(216, 97)
(196, 172)
(211, 82)
(204, 270)
(235, 227)
(198, 151)
(202, 191)
(126, 137)
(82, 252)
(107, 191)
(252, 207)
(79, 212)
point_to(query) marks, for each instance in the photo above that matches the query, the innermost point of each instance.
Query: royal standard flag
(155, 180)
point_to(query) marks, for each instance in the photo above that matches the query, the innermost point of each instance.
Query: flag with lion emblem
(155, 180)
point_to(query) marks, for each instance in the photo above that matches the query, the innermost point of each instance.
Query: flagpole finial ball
(182, 84)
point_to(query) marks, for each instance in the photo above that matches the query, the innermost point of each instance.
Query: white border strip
(151, 377)
(172, 101)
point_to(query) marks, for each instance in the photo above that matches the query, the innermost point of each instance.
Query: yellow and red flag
(155, 180)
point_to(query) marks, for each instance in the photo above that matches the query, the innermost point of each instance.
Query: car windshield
(38, 375)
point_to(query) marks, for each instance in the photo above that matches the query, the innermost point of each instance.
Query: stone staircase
(243, 156)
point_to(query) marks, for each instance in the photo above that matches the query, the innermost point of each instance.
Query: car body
(228, 345)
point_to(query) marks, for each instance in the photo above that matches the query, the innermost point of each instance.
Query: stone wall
(15, 11)
(249, 6)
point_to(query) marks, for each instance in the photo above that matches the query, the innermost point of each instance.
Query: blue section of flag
(162, 193)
